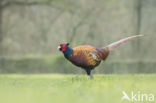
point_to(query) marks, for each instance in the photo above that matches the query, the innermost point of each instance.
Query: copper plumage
(88, 57)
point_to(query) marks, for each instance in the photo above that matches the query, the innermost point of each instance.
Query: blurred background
(31, 30)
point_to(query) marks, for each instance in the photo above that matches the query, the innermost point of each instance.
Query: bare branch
(45, 31)
(22, 3)
(78, 25)
(139, 19)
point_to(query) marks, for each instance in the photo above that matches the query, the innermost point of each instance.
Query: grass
(53, 88)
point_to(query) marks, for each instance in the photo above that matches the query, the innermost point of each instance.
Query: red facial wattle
(63, 47)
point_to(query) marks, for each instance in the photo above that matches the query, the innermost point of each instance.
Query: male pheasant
(88, 57)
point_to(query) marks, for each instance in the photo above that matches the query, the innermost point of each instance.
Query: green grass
(53, 88)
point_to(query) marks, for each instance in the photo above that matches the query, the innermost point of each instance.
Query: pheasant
(88, 57)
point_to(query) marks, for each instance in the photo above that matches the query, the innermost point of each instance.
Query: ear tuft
(67, 44)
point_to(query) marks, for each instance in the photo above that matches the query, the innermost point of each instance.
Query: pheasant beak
(59, 48)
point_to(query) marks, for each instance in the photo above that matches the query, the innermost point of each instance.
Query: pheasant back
(88, 57)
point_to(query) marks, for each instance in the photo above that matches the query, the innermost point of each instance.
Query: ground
(58, 88)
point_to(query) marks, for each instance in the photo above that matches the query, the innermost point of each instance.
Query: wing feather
(85, 56)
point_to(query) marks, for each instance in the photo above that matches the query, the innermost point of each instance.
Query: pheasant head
(67, 51)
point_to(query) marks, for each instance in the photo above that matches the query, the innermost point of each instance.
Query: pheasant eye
(60, 49)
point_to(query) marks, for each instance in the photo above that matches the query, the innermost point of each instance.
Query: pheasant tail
(106, 50)
(120, 42)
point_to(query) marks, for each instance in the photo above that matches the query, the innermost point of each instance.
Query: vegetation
(35, 28)
(31, 30)
(58, 64)
(71, 88)
(38, 26)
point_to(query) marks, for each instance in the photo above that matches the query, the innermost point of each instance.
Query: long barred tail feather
(114, 45)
